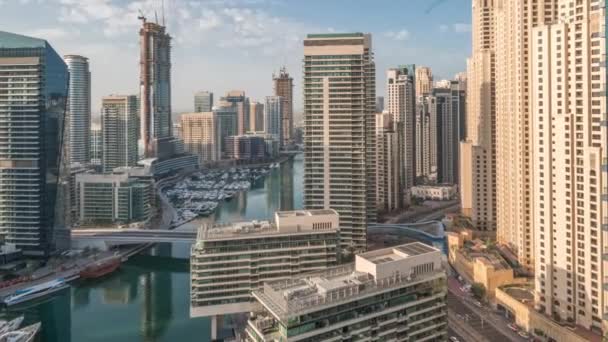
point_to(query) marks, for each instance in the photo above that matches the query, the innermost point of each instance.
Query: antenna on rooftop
(163, 10)
(155, 17)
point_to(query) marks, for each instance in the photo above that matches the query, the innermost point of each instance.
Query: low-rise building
(479, 262)
(391, 294)
(441, 192)
(162, 167)
(112, 198)
(229, 261)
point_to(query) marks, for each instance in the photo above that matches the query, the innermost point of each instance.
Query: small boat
(14, 324)
(100, 268)
(26, 334)
(35, 291)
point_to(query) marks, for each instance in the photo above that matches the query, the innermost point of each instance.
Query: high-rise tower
(339, 136)
(155, 90)
(478, 151)
(283, 87)
(401, 104)
(119, 124)
(424, 81)
(79, 109)
(32, 164)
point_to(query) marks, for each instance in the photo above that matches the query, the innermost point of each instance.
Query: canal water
(148, 299)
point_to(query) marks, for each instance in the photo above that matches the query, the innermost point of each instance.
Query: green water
(148, 298)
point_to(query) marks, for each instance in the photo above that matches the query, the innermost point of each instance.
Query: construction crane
(141, 16)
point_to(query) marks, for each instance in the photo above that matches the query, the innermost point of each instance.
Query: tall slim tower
(567, 123)
(32, 161)
(424, 81)
(514, 142)
(256, 116)
(273, 111)
(478, 151)
(339, 135)
(401, 104)
(79, 109)
(283, 87)
(155, 89)
(119, 124)
(389, 162)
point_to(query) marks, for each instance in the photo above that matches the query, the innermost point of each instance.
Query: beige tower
(424, 81)
(514, 197)
(199, 136)
(339, 132)
(477, 152)
(256, 116)
(568, 144)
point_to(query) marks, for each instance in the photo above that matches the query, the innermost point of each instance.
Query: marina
(200, 193)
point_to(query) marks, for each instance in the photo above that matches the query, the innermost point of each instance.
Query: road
(422, 214)
(483, 320)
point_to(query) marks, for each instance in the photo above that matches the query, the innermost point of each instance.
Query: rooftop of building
(257, 228)
(340, 284)
(335, 35)
(10, 40)
(317, 212)
(487, 253)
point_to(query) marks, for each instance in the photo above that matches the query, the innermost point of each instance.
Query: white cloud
(461, 27)
(457, 28)
(398, 35)
(52, 33)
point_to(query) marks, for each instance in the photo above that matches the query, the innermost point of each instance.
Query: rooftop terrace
(344, 283)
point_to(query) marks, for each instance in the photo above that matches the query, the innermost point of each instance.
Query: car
(513, 327)
(524, 334)
(478, 304)
(454, 339)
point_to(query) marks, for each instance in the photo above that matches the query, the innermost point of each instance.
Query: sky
(219, 45)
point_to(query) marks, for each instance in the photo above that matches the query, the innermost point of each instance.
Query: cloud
(398, 35)
(461, 27)
(456, 28)
(52, 33)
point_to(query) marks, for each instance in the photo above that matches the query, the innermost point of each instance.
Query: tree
(478, 291)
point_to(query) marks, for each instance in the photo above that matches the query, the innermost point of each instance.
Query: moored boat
(101, 268)
(26, 334)
(35, 291)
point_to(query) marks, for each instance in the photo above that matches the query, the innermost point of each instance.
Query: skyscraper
(401, 104)
(256, 116)
(514, 198)
(339, 140)
(389, 163)
(273, 111)
(119, 124)
(478, 151)
(203, 101)
(226, 124)
(449, 109)
(31, 152)
(240, 103)
(426, 140)
(283, 87)
(96, 144)
(568, 141)
(155, 90)
(199, 136)
(79, 108)
(424, 81)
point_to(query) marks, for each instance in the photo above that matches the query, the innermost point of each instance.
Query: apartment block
(203, 101)
(229, 261)
(391, 294)
(119, 127)
(478, 151)
(568, 168)
(200, 137)
(339, 134)
(390, 169)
